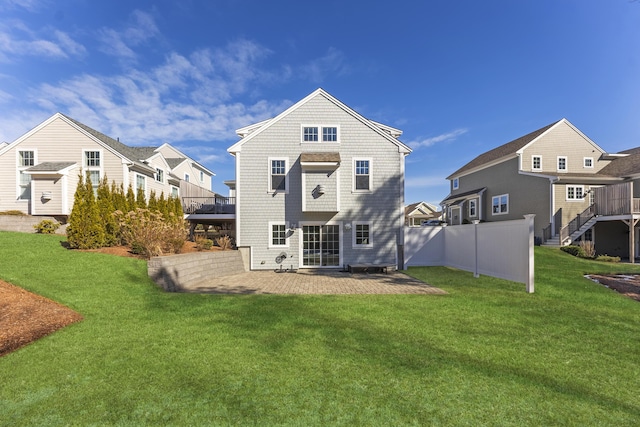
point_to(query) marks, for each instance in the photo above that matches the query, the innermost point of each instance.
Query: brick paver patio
(328, 282)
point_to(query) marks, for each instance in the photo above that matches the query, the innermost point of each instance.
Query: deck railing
(615, 199)
(198, 200)
(209, 205)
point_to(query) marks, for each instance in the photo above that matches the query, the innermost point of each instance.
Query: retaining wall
(175, 272)
(25, 223)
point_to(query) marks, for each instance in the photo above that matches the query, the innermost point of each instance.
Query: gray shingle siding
(382, 206)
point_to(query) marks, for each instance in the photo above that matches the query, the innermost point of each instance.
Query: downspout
(552, 206)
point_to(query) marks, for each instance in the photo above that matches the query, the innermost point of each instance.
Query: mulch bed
(626, 284)
(26, 317)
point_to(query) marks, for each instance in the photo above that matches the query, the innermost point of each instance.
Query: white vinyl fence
(501, 249)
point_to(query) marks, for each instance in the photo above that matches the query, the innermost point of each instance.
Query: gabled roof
(249, 132)
(134, 154)
(418, 205)
(504, 151)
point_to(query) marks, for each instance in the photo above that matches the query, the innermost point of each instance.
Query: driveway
(325, 282)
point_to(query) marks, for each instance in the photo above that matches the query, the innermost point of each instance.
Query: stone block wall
(177, 272)
(25, 223)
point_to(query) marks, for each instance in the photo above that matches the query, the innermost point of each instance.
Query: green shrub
(85, 230)
(203, 244)
(46, 226)
(574, 250)
(607, 258)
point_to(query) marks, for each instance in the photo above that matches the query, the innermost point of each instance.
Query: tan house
(416, 214)
(575, 188)
(39, 171)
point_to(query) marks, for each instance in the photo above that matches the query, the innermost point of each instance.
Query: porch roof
(463, 196)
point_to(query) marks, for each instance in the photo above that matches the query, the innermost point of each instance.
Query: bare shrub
(202, 243)
(148, 234)
(224, 242)
(588, 248)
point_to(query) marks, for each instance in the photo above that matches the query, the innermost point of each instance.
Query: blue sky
(458, 77)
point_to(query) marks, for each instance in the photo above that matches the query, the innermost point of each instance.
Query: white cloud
(186, 98)
(120, 43)
(446, 137)
(16, 40)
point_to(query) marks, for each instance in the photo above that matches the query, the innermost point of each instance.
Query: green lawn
(487, 353)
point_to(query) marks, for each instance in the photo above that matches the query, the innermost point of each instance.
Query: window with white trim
(141, 182)
(159, 175)
(93, 167)
(320, 133)
(174, 191)
(278, 235)
(500, 204)
(26, 159)
(455, 183)
(588, 162)
(186, 177)
(562, 163)
(361, 174)
(201, 176)
(575, 192)
(473, 208)
(536, 163)
(91, 159)
(362, 235)
(278, 175)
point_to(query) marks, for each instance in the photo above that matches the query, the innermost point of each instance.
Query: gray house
(319, 186)
(576, 189)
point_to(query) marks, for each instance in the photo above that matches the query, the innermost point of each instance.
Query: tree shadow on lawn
(277, 324)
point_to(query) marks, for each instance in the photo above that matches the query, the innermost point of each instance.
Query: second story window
(575, 192)
(362, 175)
(277, 175)
(26, 159)
(159, 175)
(562, 164)
(320, 133)
(329, 134)
(455, 183)
(92, 159)
(201, 176)
(310, 134)
(186, 177)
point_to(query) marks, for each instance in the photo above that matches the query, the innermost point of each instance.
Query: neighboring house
(39, 171)
(416, 214)
(319, 186)
(561, 176)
